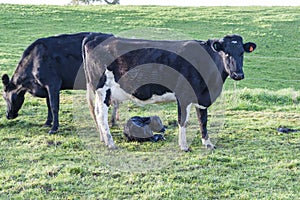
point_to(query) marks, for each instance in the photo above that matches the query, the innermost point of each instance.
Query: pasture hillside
(252, 160)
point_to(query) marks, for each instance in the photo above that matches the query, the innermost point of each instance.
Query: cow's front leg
(202, 117)
(54, 104)
(48, 123)
(101, 112)
(183, 115)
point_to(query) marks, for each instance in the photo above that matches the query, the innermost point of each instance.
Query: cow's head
(232, 49)
(13, 96)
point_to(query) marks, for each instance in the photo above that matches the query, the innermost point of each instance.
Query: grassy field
(252, 160)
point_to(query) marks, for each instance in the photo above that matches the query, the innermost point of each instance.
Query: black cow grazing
(189, 72)
(47, 66)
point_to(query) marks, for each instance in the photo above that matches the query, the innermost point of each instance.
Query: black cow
(47, 66)
(189, 72)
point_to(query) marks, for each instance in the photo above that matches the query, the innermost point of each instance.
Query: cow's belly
(120, 95)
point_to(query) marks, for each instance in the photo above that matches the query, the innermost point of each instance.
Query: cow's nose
(7, 115)
(11, 116)
(237, 76)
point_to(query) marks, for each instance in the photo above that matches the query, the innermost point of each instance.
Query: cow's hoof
(52, 132)
(112, 147)
(210, 146)
(207, 143)
(114, 124)
(186, 149)
(47, 125)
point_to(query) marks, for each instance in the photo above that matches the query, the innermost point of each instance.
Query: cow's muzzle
(11, 115)
(237, 76)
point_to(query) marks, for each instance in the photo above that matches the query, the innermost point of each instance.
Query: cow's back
(56, 58)
(64, 56)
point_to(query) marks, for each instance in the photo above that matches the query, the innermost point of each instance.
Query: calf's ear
(217, 46)
(5, 79)
(249, 47)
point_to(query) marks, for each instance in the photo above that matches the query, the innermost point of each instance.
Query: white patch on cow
(118, 94)
(200, 106)
(168, 97)
(101, 112)
(182, 139)
(188, 110)
(207, 143)
(234, 42)
(182, 131)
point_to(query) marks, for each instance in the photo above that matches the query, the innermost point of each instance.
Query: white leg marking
(101, 111)
(182, 131)
(182, 139)
(97, 116)
(179, 135)
(92, 106)
(207, 143)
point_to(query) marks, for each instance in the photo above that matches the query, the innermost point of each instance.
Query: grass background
(252, 161)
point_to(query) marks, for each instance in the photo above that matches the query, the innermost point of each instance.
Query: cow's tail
(90, 89)
(84, 61)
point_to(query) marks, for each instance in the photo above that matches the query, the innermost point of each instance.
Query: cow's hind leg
(183, 115)
(48, 123)
(101, 112)
(53, 93)
(90, 99)
(115, 115)
(202, 117)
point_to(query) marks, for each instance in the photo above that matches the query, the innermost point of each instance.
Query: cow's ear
(217, 46)
(5, 80)
(249, 47)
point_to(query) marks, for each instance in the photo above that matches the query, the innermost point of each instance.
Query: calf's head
(13, 96)
(232, 50)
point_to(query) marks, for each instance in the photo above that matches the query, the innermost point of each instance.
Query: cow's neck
(21, 79)
(224, 75)
(221, 66)
(23, 74)
(218, 59)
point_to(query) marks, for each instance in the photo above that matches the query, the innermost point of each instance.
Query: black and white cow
(47, 66)
(190, 72)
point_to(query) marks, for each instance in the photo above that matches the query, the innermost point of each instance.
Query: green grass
(252, 161)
